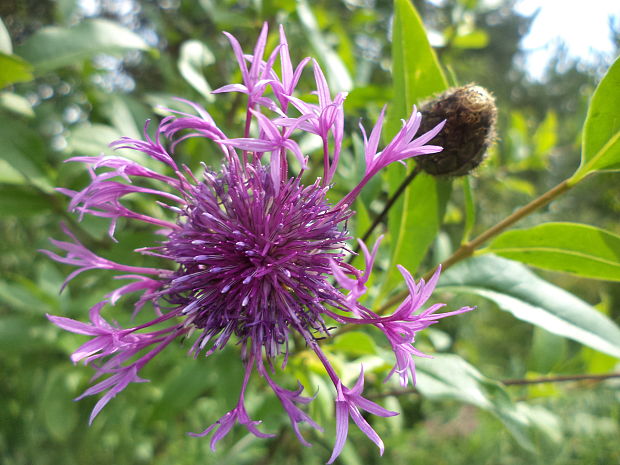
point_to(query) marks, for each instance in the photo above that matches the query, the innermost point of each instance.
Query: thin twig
(559, 379)
(512, 382)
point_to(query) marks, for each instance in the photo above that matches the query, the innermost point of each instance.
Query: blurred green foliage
(75, 75)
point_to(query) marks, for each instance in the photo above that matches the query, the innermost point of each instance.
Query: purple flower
(252, 252)
(348, 403)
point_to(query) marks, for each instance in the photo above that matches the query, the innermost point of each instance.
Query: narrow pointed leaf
(600, 150)
(577, 249)
(451, 377)
(422, 214)
(338, 76)
(194, 57)
(53, 47)
(415, 219)
(517, 290)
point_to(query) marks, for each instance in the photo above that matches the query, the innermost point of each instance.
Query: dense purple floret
(254, 262)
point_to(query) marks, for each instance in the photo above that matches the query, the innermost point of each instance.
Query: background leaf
(25, 151)
(517, 290)
(5, 40)
(13, 69)
(338, 76)
(451, 377)
(16, 104)
(194, 56)
(21, 201)
(600, 149)
(52, 47)
(573, 248)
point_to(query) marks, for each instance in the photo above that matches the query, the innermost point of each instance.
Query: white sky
(581, 24)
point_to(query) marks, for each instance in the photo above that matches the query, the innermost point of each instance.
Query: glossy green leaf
(600, 149)
(53, 47)
(451, 377)
(194, 56)
(517, 290)
(573, 248)
(13, 69)
(336, 72)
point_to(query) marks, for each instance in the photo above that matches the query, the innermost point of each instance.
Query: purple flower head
(255, 253)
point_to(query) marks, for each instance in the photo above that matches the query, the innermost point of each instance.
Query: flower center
(254, 261)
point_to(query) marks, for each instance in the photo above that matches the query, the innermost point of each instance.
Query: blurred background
(104, 69)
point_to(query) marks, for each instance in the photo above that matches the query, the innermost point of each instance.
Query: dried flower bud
(470, 115)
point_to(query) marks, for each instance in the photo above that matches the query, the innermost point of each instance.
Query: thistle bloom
(254, 252)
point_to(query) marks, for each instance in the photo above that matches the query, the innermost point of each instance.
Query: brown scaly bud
(470, 115)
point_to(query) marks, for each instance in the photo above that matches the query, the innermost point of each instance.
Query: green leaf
(423, 210)
(415, 69)
(600, 149)
(548, 351)
(53, 47)
(16, 104)
(354, 343)
(545, 138)
(92, 139)
(336, 72)
(184, 385)
(21, 201)
(5, 40)
(470, 209)
(415, 219)
(573, 248)
(451, 377)
(475, 39)
(25, 151)
(120, 111)
(516, 185)
(13, 69)
(66, 10)
(517, 290)
(59, 415)
(194, 56)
